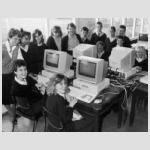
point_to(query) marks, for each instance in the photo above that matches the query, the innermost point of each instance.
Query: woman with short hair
(54, 42)
(70, 41)
(40, 46)
(10, 53)
(141, 60)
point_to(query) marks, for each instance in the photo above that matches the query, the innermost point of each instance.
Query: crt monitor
(85, 50)
(90, 69)
(143, 37)
(57, 61)
(122, 58)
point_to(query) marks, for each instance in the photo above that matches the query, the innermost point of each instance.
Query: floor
(109, 123)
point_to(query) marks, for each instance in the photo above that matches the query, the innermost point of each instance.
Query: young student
(55, 40)
(60, 104)
(101, 53)
(28, 51)
(38, 43)
(122, 31)
(70, 41)
(25, 86)
(111, 41)
(120, 41)
(84, 33)
(141, 60)
(98, 35)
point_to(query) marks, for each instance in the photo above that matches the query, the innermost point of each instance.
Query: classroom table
(96, 110)
(140, 92)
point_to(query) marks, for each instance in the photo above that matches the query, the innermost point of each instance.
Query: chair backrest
(53, 120)
(22, 102)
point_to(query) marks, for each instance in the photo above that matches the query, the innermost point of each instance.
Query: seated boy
(120, 41)
(141, 60)
(25, 86)
(84, 33)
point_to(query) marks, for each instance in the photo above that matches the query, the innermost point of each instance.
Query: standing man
(122, 31)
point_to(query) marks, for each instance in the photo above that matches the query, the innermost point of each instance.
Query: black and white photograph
(75, 74)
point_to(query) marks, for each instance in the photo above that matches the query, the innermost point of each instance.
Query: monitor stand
(69, 74)
(89, 87)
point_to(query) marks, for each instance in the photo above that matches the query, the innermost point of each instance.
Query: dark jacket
(110, 45)
(57, 105)
(143, 64)
(28, 91)
(40, 50)
(51, 43)
(105, 56)
(30, 58)
(95, 38)
(87, 41)
(65, 43)
(127, 42)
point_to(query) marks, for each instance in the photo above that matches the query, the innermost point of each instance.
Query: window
(29, 24)
(129, 25)
(106, 25)
(89, 23)
(117, 22)
(62, 22)
(137, 27)
(145, 25)
(4, 29)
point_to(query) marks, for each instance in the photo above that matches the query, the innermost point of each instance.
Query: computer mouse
(98, 101)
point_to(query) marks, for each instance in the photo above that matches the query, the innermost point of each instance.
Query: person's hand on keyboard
(72, 100)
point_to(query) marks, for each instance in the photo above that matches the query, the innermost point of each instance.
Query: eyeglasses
(16, 39)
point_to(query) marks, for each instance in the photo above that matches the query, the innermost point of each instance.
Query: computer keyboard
(81, 95)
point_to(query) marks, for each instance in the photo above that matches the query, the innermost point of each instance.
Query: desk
(96, 110)
(140, 92)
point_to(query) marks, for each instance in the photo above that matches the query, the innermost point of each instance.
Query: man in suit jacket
(122, 31)
(84, 33)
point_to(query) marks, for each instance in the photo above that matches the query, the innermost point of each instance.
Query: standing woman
(38, 42)
(10, 53)
(98, 35)
(70, 41)
(111, 41)
(28, 52)
(55, 40)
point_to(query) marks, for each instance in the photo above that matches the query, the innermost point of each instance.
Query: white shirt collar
(72, 37)
(8, 46)
(99, 33)
(25, 48)
(100, 55)
(21, 82)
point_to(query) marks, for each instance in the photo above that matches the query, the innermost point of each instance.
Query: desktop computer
(85, 50)
(91, 79)
(122, 60)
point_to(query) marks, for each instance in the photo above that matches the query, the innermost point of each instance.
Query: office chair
(24, 109)
(54, 122)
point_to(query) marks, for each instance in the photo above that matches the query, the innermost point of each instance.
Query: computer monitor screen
(87, 69)
(90, 69)
(57, 61)
(52, 60)
(143, 37)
